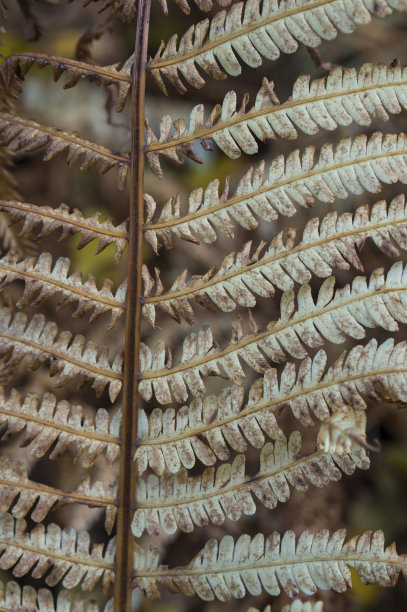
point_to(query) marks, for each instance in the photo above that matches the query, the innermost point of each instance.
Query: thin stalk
(127, 477)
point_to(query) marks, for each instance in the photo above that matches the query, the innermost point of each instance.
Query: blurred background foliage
(367, 500)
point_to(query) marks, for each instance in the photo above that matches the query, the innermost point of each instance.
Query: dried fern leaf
(19, 133)
(44, 279)
(8, 240)
(14, 482)
(125, 9)
(342, 431)
(303, 606)
(41, 221)
(353, 167)
(171, 439)
(203, 5)
(65, 551)
(8, 184)
(39, 340)
(334, 316)
(374, 371)
(332, 243)
(48, 424)
(179, 501)
(18, 64)
(277, 563)
(3, 15)
(14, 598)
(251, 30)
(296, 606)
(207, 428)
(345, 95)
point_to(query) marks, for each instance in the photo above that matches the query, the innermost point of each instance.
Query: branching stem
(127, 480)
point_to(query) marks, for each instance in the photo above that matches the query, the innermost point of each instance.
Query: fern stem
(127, 479)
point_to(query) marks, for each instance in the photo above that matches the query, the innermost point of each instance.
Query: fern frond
(318, 560)
(44, 279)
(14, 482)
(353, 167)
(19, 133)
(169, 439)
(345, 95)
(179, 501)
(14, 598)
(39, 340)
(41, 221)
(251, 30)
(48, 424)
(334, 317)
(18, 64)
(65, 551)
(331, 243)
